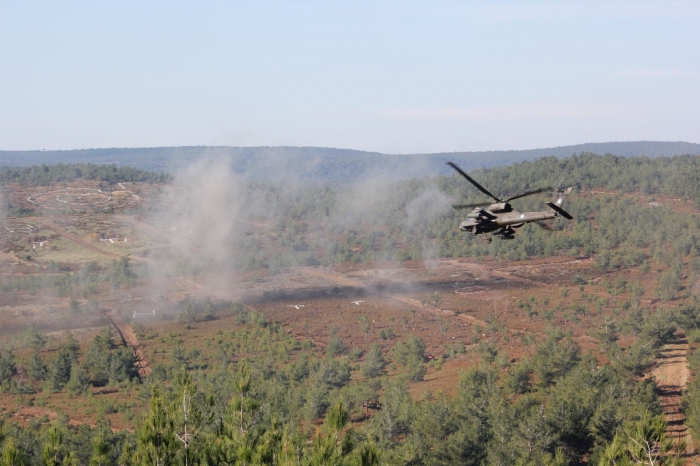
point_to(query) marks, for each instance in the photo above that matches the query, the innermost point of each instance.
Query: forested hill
(45, 175)
(325, 164)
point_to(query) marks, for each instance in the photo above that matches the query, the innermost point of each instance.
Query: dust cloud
(201, 214)
(209, 208)
(3, 212)
(427, 207)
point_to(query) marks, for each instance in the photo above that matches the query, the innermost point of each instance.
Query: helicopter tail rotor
(559, 210)
(560, 199)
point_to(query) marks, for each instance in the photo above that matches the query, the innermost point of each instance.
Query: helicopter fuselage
(486, 221)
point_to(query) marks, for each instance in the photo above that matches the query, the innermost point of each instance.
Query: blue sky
(397, 77)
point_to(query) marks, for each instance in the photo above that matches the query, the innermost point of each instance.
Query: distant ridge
(319, 163)
(624, 149)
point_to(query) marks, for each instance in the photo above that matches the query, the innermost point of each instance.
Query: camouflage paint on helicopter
(500, 218)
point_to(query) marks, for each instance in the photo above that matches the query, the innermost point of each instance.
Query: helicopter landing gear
(481, 236)
(505, 233)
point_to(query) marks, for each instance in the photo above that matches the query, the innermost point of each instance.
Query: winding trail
(670, 376)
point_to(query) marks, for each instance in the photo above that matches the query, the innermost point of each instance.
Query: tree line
(46, 175)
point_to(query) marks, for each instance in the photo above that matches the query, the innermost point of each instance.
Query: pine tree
(72, 345)
(643, 442)
(128, 456)
(36, 369)
(53, 448)
(336, 345)
(34, 339)
(79, 380)
(60, 370)
(7, 366)
(374, 362)
(369, 455)
(192, 412)
(97, 357)
(171, 433)
(70, 459)
(333, 445)
(100, 450)
(241, 435)
(11, 455)
(122, 365)
(156, 442)
(364, 325)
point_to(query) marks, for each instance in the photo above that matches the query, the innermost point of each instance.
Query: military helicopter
(500, 218)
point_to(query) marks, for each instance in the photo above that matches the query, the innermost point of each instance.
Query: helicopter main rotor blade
(530, 193)
(470, 206)
(471, 180)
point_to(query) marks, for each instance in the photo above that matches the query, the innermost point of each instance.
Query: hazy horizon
(342, 148)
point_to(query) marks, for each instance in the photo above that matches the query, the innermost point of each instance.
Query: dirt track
(85, 244)
(74, 238)
(130, 340)
(671, 374)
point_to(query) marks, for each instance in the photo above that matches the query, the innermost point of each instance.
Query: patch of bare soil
(671, 375)
(343, 280)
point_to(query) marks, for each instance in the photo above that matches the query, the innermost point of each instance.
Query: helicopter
(500, 218)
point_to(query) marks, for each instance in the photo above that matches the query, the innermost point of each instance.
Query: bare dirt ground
(342, 280)
(671, 374)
